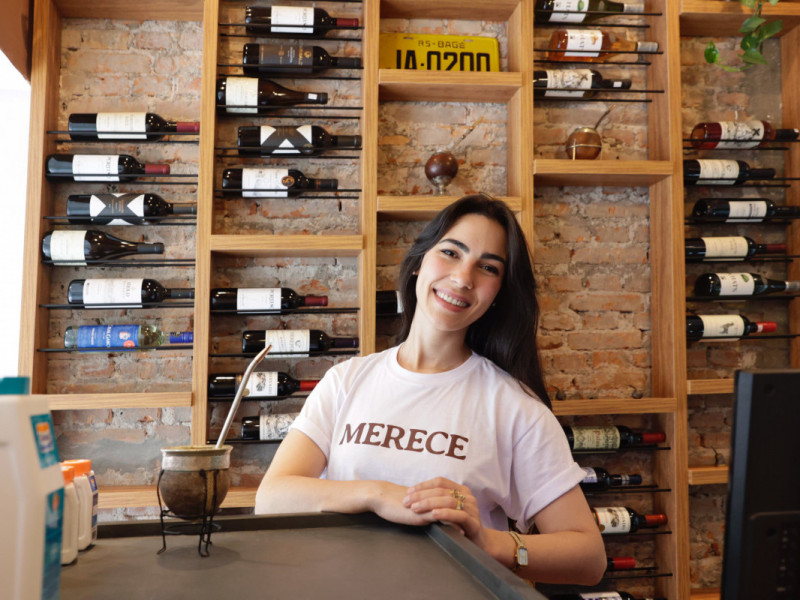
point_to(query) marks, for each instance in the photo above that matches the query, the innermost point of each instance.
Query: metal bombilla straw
(239, 393)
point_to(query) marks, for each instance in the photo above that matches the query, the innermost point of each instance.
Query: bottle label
(108, 336)
(241, 92)
(66, 247)
(647, 46)
(573, 79)
(258, 299)
(613, 519)
(718, 172)
(269, 183)
(637, 8)
(113, 292)
(717, 326)
(262, 384)
(584, 43)
(751, 132)
(591, 475)
(285, 140)
(121, 126)
(595, 438)
(292, 15)
(95, 167)
(275, 55)
(297, 342)
(601, 596)
(275, 427)
(736, 284)
(577, 11)
(51, 558)
(750, 211)
(725, 248)
(103, 206)
(95, 503)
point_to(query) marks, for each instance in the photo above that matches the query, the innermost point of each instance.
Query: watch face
(522, 557)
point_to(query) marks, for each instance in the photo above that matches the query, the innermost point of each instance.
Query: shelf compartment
(132, 400)
(557, 171)
(176, 10)
(696, 387)
(708, 475)
(447, 86)
(499, 10)
(705, 594)
(424, 208)
(287, 245)
(564, 408)
(138, 496)
(713, 18)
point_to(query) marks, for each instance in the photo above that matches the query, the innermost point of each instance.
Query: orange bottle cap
(68, 472)
(82, 466)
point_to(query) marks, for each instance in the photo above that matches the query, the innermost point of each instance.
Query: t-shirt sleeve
(318, 415)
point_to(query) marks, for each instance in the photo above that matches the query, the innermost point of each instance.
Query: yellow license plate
(427, 52)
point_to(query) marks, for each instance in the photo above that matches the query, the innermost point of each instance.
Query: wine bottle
(593, 45)
(707, 249)
(388, 303)
(121, 336)
(98, 167)
(620, 563)
(122, 209)
(700, 327)
(710, 285)
(130, 293)
(272, 385)
(309, 140)
(741, 210)
(257, 96)
(267, 426)
(292, 21)
(608, 437)
(292, 59)
(573, 83)
(721, 172)
(599, 596)
(271, 183)
(76, 247)
(574, 11)
(125, 126)
(598, 480)
(621, 519)
(261, 300)
(738, 134)
(293, 341)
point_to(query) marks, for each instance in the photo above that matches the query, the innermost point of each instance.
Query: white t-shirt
(474, 424)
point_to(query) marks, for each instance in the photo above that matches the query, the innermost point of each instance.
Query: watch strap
(521, 554)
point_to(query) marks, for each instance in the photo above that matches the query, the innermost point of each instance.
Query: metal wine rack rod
(116, 306)
(333, 310)
(742, 298)
(310, 354)
(115, 349)
(171, 220)
(145, 263)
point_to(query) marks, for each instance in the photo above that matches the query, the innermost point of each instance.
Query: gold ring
(460, 503)
(456, 494)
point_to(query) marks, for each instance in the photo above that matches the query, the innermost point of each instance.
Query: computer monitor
(761, 558)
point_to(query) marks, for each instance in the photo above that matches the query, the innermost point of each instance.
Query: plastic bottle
(87, 502)
(69, 533)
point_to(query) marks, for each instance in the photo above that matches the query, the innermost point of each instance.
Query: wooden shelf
(707, 475)
(555, 171)
(714, 18)
(92, 401)
(137, 496)
(175, 10)
(614, 406)
(705, 594)
(424, 208)
(287, 245)
(447, 86)
(500, 10)
(695, 387)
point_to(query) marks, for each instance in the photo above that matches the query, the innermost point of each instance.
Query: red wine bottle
(261, 300)
(269, 385)
(133, 293)
(608, 437)
(620, 563)
(711, 285)
(388, 303)
(294, 341)
(599, 596)
(721, 172)
(98, 167)
(271, 183)
(122, 209)
(733, 248)
(292, 59)
(309, 140)
(700, 327)
(598, 480)
(573, 83)
(575, 11)
(76, 247)
(292, 21)
(125, 126)
(738, 134)
(257, 96)
(621, 519)
(267, 427)
(741, 210)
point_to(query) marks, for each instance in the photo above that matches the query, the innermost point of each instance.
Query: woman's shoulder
(509, 389)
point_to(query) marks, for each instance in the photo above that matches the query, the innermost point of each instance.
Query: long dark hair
(506, 333)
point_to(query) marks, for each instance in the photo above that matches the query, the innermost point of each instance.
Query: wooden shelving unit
(708, 475)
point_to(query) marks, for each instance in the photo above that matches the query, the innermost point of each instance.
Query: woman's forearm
(286, 494)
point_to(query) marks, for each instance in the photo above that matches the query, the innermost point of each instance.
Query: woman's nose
(462, 277)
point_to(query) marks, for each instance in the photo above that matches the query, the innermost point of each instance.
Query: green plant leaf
(774, 2)
(749, 3)
(711, 53)
(751, 40)
(751, 24)
(753, 56)
(770, 29)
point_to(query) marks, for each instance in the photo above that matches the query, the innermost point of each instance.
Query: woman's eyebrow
(465, 248)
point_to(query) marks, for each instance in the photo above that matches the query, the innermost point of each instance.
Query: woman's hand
(387, 501)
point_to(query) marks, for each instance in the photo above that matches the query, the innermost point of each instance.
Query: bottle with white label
(727, 248)
(121, 337)
(267, 427)
(76, 247)
(598, 479)
(741, 210)
(261, 300)
(271, 183)
(98, 167)
(712, 285)
(308, 140)
(294, 341)
(293, 21)
(125, 126)
(573, 83)
(621, 519)
(722, 172)
(250, 95)
(267, 385)
(732, 327)
(738, 134)
(581, 11)
(117, 293)
(608, 437)
(122, 208)
(594, 45)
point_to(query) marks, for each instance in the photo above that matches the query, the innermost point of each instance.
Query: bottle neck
(183, 209)
(766, 173)
(772, 248)
(786, 135)
(344, 342)
(155, 248)
(156, 169)
(306, 385)
(184, 337)
(186, 126)
(315, 301)
(180, 293)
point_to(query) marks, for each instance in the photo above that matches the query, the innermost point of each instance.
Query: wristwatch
(521, 555)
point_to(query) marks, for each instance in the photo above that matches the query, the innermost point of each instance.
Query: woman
(450, 425)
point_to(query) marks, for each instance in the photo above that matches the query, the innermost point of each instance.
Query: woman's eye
(448, 252)
(491, 269)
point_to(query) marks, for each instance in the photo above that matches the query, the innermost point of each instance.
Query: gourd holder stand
(194, 480)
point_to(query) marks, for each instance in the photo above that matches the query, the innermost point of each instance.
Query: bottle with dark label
(271, 183)
(700, 327)
(129, 293)
(121, 336)
(309, 140)
(722, 172)
(122, 209)
(76, 247)
(261, 300)
(738, 134)
(575, 11)
(621, 519)
(292, 21)
(594, 45)
(741, 210)
(388, 303)
(125, 126)
(292, 59)
(599, 596)
(608, 437)
(269, 385)
(732, 248)
(295, 342)
(249, 95)
(98, 167)
(598, 480)
(267, 426)
(710, 285)
(573, 83)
